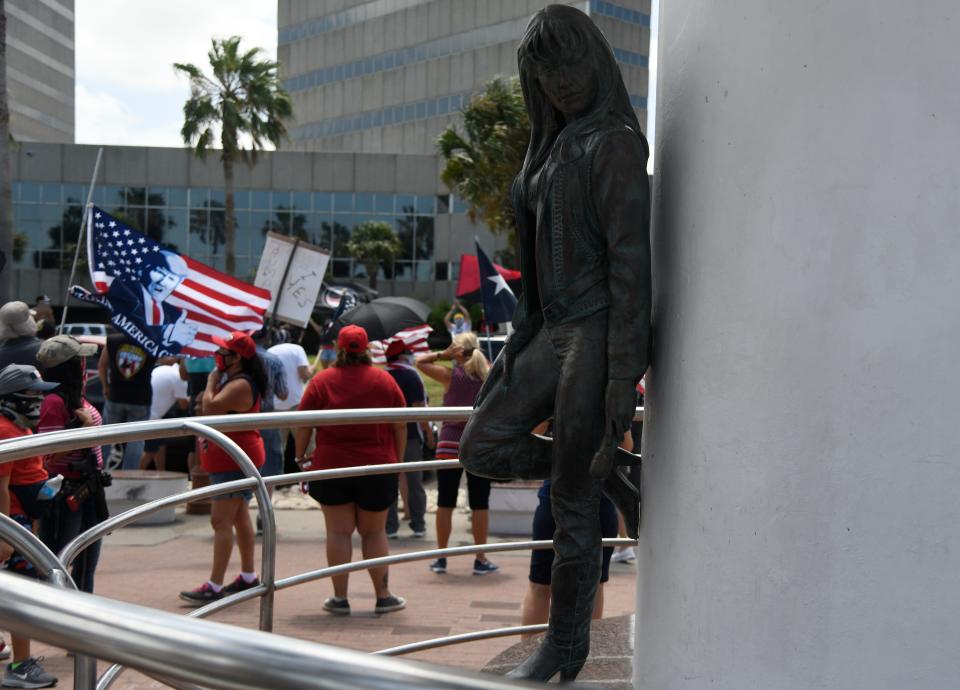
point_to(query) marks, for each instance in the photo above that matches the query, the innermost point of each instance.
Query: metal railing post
(50, 567)
(268, 552)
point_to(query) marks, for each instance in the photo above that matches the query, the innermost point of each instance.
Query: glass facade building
(388, 76)
(180, 201)
(40, 69)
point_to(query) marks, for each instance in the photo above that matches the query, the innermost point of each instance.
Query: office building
(178, 199)
(40, 69)
(387, 76)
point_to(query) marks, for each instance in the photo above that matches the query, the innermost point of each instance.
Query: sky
(127, 90)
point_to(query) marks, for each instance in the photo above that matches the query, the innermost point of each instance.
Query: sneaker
(239, 585)
(392, 535)
(390, 603)
(337, 606)
(203, 594)
(439, 566)
(28, 674)
(624, 555)
(419, 533)
(484, 567)
(4, 651)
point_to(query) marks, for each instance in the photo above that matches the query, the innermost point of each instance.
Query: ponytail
(476, 365)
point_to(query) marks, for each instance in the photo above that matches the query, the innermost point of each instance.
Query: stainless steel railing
(213, 428)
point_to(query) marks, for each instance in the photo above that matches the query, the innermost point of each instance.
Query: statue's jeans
(561, 373)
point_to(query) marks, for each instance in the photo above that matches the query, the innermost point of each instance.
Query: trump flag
(165, 302)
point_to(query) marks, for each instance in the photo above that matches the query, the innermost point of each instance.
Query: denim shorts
(221, 477)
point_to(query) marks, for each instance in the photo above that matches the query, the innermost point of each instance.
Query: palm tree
(6, 207)
(243, 100)
(373, 243)
(482, 162)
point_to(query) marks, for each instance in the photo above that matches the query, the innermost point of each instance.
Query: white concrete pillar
(802, 471)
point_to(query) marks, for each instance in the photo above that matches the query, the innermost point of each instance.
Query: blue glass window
(280, 200)
(199, 197)
(421, 110)
(301, 201)
(259, 199)
(50, 192)
(342, 201)
(322, 201)
(409, 111)
(425, 204)
(363, 202)
(383, 203)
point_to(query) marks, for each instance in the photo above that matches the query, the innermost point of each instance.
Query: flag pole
(83, 226)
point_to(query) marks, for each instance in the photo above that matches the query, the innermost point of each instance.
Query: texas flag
(498, 299)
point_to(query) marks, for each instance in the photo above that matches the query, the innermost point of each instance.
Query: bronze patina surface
(582, 326)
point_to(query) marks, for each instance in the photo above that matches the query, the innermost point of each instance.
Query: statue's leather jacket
(588, 250)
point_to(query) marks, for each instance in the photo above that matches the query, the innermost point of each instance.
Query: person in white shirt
(168, 390)
(298, 371)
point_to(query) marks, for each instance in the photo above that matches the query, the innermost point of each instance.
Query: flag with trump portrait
(164, 301)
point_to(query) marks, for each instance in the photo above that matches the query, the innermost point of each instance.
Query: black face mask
(22, 408)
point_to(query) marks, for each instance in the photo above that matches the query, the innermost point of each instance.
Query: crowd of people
(42, 389)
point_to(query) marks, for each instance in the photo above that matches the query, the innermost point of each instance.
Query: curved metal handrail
(73, 439)
(211, 428)
(221, 656)
(460, 639)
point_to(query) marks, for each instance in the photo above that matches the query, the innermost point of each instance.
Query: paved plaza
(151, 565)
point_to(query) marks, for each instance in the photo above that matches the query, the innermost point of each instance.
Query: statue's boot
(548, 661)
(566, 645)
(626, 497)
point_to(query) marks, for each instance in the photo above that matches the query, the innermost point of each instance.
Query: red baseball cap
(395, 348)
(352, 339)
(238, 342)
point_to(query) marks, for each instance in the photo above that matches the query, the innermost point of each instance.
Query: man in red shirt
(354, 503)
(23, 493)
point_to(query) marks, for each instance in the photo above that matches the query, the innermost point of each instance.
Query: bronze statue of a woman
(582, 326)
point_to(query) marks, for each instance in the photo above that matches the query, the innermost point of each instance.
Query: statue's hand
(620, 401)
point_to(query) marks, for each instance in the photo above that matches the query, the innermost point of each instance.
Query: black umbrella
(384, 317)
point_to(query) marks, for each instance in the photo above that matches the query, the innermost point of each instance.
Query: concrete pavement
(151, 565)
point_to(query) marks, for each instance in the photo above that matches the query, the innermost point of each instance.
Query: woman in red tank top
(235, 386)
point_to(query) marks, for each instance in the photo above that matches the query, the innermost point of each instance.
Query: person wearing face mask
(236, 385)
(62, 360)
(22, 490)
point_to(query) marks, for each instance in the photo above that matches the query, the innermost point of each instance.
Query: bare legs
(341, 521)
(536, 605)
(229, 516)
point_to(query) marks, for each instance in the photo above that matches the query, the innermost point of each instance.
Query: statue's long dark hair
(557, 35)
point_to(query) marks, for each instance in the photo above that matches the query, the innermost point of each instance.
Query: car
(76, 329)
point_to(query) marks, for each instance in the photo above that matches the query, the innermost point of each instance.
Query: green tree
(244, 101)
(482, 162)
(6, 197)
(372, 243)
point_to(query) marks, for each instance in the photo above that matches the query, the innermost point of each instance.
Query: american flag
(415, 338)
(214, 302)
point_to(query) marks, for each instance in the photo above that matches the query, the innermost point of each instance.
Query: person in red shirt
(237, 384)
(354, 503)
(21, 481)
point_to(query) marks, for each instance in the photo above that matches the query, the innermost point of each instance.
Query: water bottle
(50, 488)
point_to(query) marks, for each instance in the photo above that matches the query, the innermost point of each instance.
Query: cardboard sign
(295, 295)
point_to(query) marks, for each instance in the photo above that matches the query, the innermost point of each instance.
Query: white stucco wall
(802, 444)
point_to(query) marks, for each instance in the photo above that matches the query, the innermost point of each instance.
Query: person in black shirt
(411, 483)
(125, 370)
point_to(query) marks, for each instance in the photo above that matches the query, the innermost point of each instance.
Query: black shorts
(541, 560)
(372, 493)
